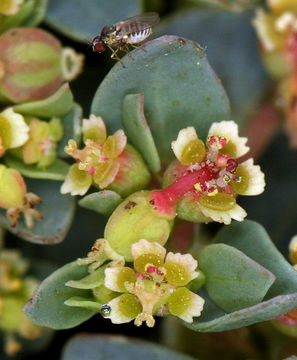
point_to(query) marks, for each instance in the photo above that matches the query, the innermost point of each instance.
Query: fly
(132, 31)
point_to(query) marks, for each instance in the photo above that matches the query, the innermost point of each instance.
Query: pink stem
(164, 201)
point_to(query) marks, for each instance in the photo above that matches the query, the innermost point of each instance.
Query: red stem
(164, 201)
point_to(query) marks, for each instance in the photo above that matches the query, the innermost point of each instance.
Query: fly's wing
(138, 23)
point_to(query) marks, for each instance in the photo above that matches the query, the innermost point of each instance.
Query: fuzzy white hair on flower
(143, 247)
(224, 216)
(74, 187)
(185, 136)
(229, 129)
(18, 128)
(256, 178)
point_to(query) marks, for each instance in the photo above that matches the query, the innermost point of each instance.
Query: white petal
(286, 22)
(262, 27)
(111, 278)
(194, 310)
(116, 316)
(18, 126)
(236, 213)
(185, 260)
(256, 182)
(229, 129)
(185, 136)
(293, 244)
(146, 247)
(94, 124)
(70, 185)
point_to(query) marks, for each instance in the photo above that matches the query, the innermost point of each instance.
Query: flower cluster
(105, 162)
(155, 285)
(15, 290)
(204, 181)
(277, 32)
(133, 279)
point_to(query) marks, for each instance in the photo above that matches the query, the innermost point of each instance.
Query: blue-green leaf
(179, 87)
(57, 171)
(81, 20)
(252, 239)
(103, 347)
(47, 308)
(137, 129)
(104, 202)
(233, 280)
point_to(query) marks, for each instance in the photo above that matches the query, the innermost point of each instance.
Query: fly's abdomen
(135, 32)
(140, 36)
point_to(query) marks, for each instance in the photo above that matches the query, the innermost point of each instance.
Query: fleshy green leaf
(234, 281)
(77, 301)
(58, 211)
(58, 104)
(104, 202)
(240, 67)
(47, 308)
(91, 281)
(137, 129)
(179, 87)
(252, 239)
(72, 128)
(57, 171)
(81, 20)
(103, 347)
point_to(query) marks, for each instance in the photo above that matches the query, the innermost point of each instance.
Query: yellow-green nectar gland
(209, 179)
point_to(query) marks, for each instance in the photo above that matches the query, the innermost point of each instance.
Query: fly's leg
(138, 47)
(126, 49)
(114, 55)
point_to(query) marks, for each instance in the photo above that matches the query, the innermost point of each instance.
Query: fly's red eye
(99, 47)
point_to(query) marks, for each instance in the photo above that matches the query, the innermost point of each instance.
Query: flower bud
(32, 65)
(135, 219)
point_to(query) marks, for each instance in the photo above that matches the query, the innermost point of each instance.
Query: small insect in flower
(132, 31)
